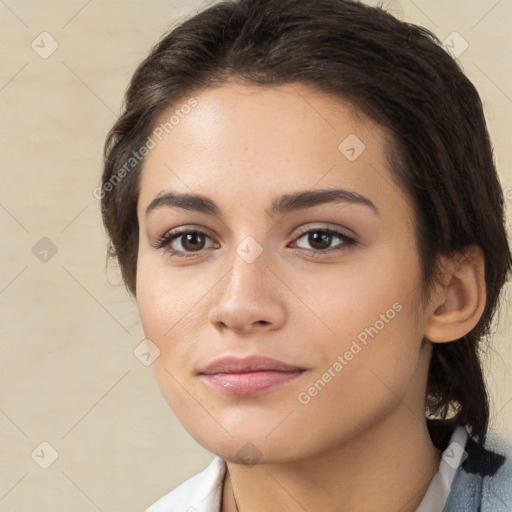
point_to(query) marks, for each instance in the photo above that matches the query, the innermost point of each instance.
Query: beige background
(68, 373)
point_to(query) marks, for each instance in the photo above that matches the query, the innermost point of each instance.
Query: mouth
(249, 375)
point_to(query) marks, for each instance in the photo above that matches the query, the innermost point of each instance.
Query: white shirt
(203, 492)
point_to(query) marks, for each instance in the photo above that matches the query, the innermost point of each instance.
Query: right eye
(185, 242)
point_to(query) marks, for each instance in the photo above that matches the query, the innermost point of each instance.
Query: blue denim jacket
(472, 477)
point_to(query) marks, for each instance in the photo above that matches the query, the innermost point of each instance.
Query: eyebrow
(280, 206)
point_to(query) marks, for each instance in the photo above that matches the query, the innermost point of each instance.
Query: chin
(249, 447)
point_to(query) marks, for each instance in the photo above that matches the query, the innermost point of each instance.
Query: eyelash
(166, 240)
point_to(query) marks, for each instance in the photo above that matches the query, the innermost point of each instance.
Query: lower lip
(250, 383)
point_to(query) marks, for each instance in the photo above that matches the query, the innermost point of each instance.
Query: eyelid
(174, 233)
(347, 240)
(323, 226)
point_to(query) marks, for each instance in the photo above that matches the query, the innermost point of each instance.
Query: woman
(302, 198)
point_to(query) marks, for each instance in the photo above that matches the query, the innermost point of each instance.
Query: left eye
(321, 239)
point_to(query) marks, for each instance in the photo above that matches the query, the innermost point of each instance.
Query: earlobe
(460, 301)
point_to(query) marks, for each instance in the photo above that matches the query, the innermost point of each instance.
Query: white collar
(201, 493)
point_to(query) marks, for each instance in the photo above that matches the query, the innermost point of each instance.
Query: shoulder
(483, 481)
(200, 493)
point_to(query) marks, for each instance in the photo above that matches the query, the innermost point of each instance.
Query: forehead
(246, 141)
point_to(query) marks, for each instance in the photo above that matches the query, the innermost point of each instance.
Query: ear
(458, 303)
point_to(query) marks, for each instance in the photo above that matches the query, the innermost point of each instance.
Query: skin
(361, 442)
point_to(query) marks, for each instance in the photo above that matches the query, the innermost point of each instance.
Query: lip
(249, 375)
(254, 363)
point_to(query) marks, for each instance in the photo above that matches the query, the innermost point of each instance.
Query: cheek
(365, 375)
(164, 308)
(164, 300)
(171, 305)
(370, 318)
(350, 298)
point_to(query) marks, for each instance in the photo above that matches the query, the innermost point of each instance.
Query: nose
(249, 298)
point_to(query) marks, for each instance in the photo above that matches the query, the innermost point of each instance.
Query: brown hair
(400, 76)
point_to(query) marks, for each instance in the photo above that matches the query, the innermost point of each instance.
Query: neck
(387, 468)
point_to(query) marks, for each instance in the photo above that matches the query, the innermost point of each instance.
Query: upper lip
(254, 363)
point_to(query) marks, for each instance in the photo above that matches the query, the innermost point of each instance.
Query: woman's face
(299, 247)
